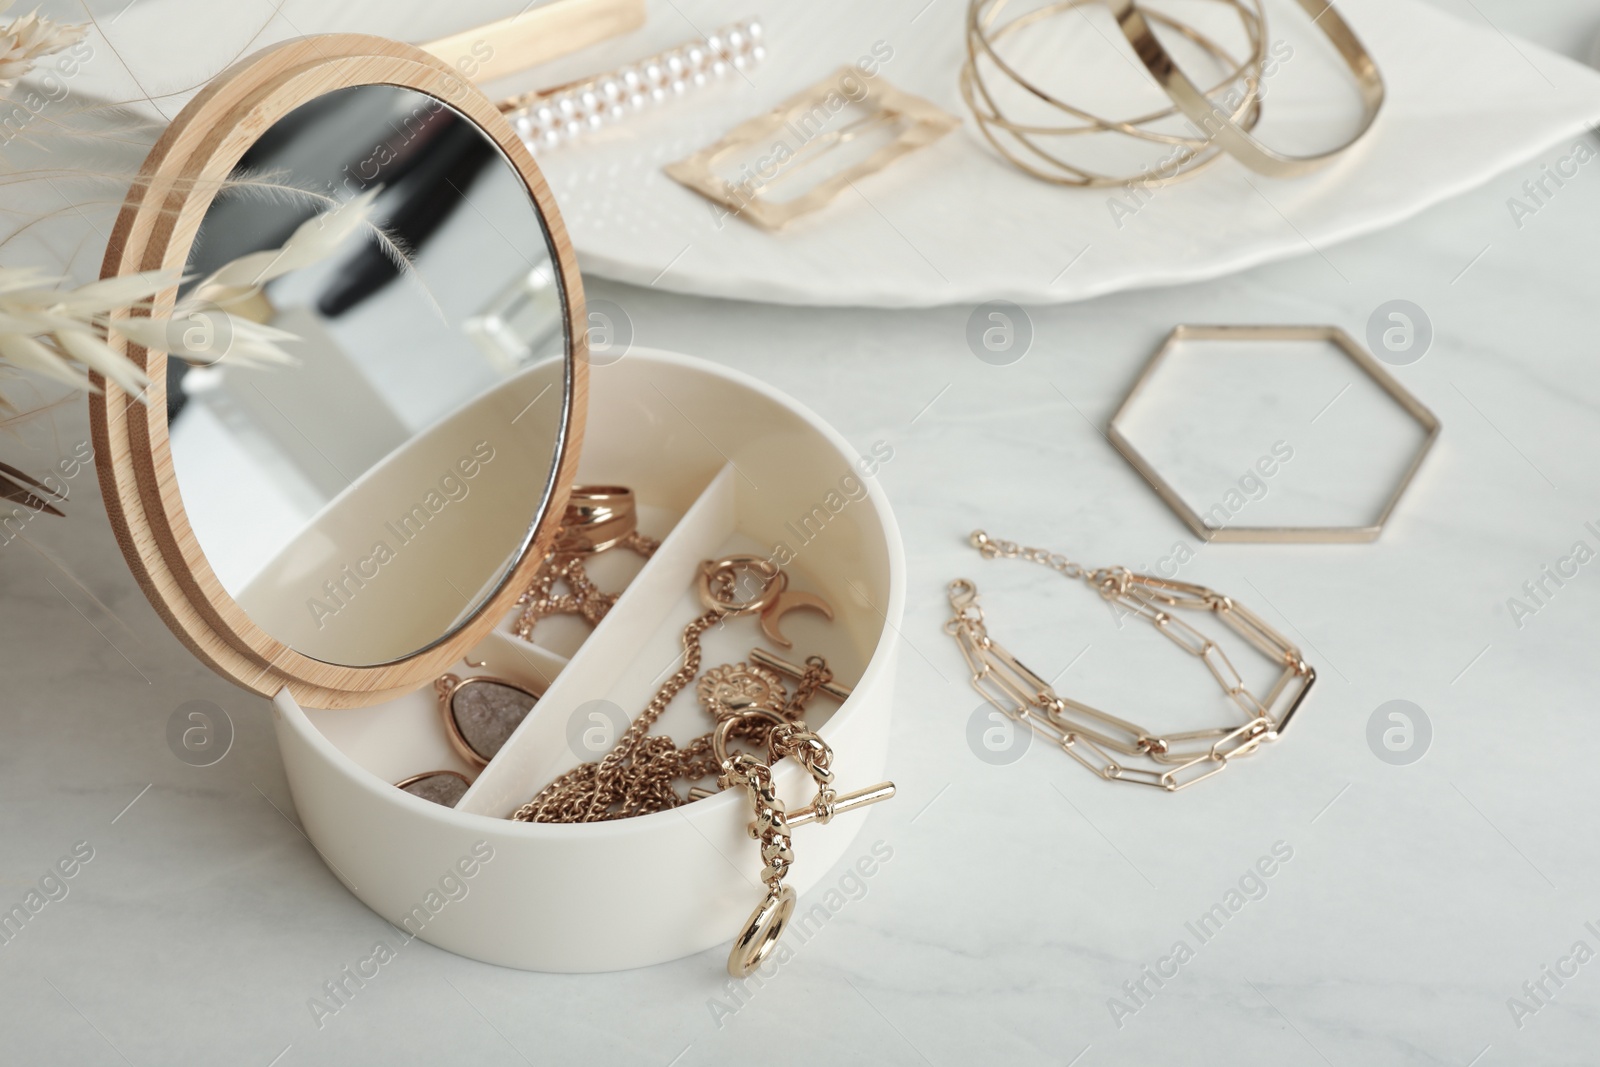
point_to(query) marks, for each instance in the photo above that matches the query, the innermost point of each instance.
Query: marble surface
(1015, 901)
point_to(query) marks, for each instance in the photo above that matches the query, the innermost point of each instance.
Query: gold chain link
(540, 600)
(1077, 728)
(750, 704)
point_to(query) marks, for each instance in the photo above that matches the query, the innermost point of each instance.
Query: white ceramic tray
(953, 224)
(719, 463)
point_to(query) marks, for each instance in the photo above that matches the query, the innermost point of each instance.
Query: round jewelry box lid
(345, 527)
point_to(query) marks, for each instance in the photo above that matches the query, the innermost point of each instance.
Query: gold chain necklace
(748, 702)
(1025, 697)
(636, 777)
(584, 598)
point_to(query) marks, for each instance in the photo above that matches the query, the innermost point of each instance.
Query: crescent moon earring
(790, 600)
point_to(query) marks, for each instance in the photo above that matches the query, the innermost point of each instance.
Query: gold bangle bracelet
(1217, 124)
(1036, 147)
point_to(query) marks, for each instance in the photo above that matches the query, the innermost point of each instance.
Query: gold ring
(772, 583)
(760, 935)
(1217, 124)
(597, 517)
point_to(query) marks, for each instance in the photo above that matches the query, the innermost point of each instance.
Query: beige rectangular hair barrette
(795, 135)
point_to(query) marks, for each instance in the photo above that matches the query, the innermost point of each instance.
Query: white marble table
(1017, 900)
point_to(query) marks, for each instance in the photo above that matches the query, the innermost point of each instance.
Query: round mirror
(366, 408)
(362, 501)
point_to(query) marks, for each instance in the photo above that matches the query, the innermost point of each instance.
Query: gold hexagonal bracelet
(1275, 534)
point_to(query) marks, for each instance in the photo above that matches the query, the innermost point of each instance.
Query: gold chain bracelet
(1025, 697)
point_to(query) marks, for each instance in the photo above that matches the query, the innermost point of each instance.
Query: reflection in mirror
(362, 503)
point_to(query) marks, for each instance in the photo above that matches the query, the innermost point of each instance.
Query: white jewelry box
(603, 896)
(718, 462)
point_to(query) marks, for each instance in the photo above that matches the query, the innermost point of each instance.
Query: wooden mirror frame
(155, 231)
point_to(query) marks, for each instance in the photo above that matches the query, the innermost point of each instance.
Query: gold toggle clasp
(849, 802)
(773, 821)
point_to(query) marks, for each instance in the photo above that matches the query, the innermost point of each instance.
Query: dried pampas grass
(312, 241)
(18, 488)
(62, 332)
(23, 41)
(59, 332)
(51, 331)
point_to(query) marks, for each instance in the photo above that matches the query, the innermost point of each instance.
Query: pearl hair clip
(549, 118)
